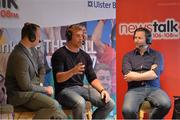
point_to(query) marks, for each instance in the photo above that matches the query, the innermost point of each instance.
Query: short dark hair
(147, 34)
(29, 30)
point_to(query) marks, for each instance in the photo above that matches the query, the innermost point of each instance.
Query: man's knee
(129, 112)
(81, 103)
(56, 109)
(111, 104)
(162, 102)
(54, 104)
(165, 104)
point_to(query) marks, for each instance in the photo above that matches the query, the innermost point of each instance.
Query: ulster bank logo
(101, 4)
(8, 9)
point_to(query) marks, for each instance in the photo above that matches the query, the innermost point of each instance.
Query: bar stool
(144, 110)
(6, 112)
(23, 113)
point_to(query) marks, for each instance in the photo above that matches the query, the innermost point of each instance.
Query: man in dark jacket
(25, 75)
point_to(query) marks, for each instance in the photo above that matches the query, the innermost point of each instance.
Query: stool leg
(141, 115)
(89, 115)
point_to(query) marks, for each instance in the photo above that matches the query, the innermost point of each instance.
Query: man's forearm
(97, 85)
(136, 76)
(63, 76)
(149, 75)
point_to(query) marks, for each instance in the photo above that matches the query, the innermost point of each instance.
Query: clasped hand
(49, 90)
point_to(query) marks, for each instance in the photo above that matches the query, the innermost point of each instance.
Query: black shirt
(64, 60)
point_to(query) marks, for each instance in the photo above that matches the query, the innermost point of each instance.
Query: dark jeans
(157, 97)
(45, 107)
(75, 98)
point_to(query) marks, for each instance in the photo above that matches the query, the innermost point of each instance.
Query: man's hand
(78, 69)
(49, 90)
(105, 96)
(153, 66)
(132, 76)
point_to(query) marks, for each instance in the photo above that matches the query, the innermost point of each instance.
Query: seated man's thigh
(159, 98)
(39, 101)
(133, 99)
(69, 98)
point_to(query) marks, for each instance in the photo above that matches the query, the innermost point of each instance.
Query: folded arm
(136, 76)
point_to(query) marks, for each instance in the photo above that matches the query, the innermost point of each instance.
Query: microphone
(83, 42)
(84, 38)
(142, 46)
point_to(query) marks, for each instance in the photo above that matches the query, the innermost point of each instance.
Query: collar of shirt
(136, 51)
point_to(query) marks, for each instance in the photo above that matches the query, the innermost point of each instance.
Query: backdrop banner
(13, 13)
(54, 16)
(161, 18)
(53, 38)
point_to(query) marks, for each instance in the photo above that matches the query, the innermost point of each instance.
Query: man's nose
(136, 39)
(81, 38)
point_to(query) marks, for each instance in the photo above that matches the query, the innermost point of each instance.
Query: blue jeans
(157, 97)
(75, 98)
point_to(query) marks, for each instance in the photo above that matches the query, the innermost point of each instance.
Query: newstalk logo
(169, 29)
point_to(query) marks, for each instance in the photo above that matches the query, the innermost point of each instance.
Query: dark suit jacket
(23, 75)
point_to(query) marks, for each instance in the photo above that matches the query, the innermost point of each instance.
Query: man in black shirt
(142, 68)
(70, 64)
